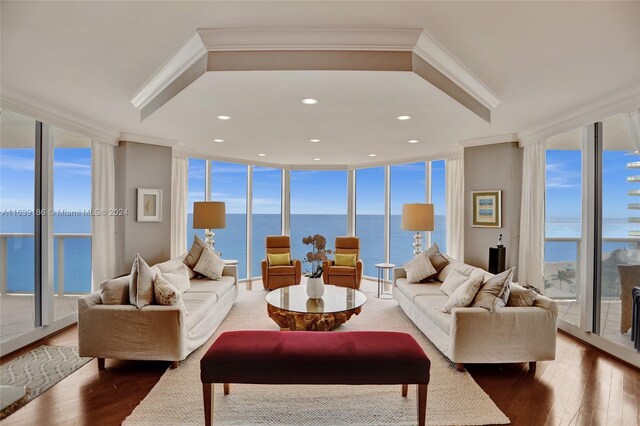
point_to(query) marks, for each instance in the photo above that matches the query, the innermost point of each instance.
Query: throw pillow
(179, 278)
(195, 252)
(166, 294)
(463, 295)
(345, 260)
(115, 291)
(420, 268)
(494, 293)
(141, 283)
(454, 280)
(210, 265)
(283, 259)
(173, 264)
(520, 296)
(437, 259)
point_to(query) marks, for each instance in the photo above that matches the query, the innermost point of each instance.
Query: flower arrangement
(317, 255)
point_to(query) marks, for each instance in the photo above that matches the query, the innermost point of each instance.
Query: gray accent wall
(492, 167)
(142, 166)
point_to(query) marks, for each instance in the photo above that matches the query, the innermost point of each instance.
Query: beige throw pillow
(494, 293)
(115, 291)
(463, 295)
(520, 296)
(454, 280)
(210, 265)
(195, 252)
(173, 264)
(166, 294)
(437, 259)
(420, 268)
(179, 278)
(141, 283)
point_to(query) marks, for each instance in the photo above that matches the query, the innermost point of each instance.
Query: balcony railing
(17, 284)
(562, 276)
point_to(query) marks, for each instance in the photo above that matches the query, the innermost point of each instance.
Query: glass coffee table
(292, 309)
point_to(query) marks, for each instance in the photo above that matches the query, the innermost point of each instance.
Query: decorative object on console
(209, 215)
(417, 217)
(487, 209)
(149, 205)
(497, 259)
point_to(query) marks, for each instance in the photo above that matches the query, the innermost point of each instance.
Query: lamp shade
(209, 215)
(417, 217)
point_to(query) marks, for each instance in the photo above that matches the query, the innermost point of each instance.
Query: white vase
(315, 288)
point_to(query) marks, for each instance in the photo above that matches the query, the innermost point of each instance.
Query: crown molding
(29, 106)
(149, 140)
(489, 140)
(616, 103)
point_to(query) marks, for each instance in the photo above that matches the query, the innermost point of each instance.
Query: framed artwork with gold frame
(487, 209)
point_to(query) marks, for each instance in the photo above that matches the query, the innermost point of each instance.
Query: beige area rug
(454, 398)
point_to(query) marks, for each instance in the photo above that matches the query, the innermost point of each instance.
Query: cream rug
(454, 398)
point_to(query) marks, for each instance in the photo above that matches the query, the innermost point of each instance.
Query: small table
(381, 268)
(230, 261)
(292, 309)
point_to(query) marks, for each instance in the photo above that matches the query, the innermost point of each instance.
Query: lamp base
(417, 243)
(209, 241)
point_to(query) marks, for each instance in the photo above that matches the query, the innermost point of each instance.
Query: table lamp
(209, 215)
(417, 217)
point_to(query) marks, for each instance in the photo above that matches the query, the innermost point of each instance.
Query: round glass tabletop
(335, 299)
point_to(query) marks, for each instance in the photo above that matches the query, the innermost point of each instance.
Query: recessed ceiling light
(262, 155)
(218, 140)
(372, 155)
(414, 141)
(317, 159)
(403, 117)
(224, 117)
(309, 101)
(314, 140)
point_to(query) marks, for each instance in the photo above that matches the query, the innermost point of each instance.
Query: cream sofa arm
(546, 303)
(398, 273)
(231, 271)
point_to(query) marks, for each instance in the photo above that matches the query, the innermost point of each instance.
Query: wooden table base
(288, 320)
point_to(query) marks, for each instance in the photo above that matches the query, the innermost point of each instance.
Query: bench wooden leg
(532, 366)
(207, 390)
(460, 366)
(405, 390)
(421, 398)
(226, 388)
(174, 364)
(100, 364)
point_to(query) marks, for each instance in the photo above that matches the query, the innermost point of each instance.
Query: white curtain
(179, 193)
(532, 207)
(454, 182)
(103, 194)
(632, 120)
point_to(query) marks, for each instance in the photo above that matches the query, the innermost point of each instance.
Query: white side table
(381, 268)
(230, 261)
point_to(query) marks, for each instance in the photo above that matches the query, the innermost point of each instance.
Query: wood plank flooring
(583, 386)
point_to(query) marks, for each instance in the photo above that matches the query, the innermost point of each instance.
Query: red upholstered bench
(315, 357)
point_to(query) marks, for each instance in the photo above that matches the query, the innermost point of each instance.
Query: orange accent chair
(344, 276)
(274, 277)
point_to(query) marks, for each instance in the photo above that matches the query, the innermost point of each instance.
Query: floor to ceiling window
(438, 198)
(408, 185)
(563, 233)
(229, 184)
(318, 206)
(266, 215)
(370, 215)
(196, 192)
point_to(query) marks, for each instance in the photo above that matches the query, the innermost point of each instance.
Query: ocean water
(232, 242)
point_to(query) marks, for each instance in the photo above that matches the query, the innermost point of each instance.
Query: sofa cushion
(455, 265)
(520, 296)
(197, 306)
(210, 264)
(494, 292)
(454, 280)
(342, 270)
(141, 283)
(432, 306)
(464, 295)
(173, 264)
(420, 268)
(219, 287)
(282, 270)
(115, 291)
(411, 291)
(179, 278)
(192, 257)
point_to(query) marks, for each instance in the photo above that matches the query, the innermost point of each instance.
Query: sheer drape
(179, 193)
(454, 181)
(103, 238)
(531, 254)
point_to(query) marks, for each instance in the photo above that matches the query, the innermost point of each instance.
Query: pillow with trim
(191, 260)
(210, 265)
(141, 283)
(494, 292)
(463, 295)
(420, 269)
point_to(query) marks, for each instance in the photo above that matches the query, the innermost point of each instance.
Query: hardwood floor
(583, 386)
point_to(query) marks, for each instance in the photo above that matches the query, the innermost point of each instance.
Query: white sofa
(475, 335)
(167, 333)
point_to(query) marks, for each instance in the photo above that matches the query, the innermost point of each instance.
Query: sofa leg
(209, 395)
(532, 366)
(421, 398)
(226, 388)
(459, 366)
(405, 390)
(174, 364)
(100, 364)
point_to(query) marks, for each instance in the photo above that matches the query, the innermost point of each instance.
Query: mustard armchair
(344, 276)
(274, 277)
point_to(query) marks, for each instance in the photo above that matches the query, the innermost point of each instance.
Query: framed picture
(149, 205)
(487, 209)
